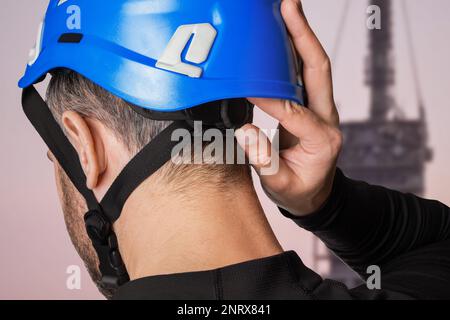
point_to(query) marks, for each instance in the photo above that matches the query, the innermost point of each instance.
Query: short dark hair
(70, 91)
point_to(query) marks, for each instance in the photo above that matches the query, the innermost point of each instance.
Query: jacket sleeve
(406, 236)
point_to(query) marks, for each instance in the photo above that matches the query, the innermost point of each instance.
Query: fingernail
(240, 136)
(245, 137)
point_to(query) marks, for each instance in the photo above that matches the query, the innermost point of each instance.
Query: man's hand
(310, 139)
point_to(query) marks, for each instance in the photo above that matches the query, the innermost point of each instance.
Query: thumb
(256, 145)
(260, 153)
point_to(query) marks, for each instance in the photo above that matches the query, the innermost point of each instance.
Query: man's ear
(88, 144)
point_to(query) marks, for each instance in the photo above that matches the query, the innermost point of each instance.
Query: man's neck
(164, 233)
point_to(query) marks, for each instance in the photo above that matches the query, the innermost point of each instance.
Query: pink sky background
(35, 249)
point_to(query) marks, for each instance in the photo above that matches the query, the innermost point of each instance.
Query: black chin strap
(101, 216)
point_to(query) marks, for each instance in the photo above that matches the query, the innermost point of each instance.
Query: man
(199, 232)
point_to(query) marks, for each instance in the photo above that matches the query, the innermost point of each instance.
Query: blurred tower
(386, 149)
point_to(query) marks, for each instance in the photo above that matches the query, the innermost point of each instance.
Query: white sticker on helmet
(36, 51)
(203, 39)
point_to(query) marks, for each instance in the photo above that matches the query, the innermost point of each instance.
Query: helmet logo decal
(35, 52)
(203, 39)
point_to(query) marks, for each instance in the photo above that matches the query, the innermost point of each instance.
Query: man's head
(182, 67)
(107, 134)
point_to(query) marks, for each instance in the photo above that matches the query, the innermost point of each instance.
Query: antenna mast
(380, 75)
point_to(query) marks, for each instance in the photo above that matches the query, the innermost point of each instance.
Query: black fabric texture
(281, 277)
(406, 236)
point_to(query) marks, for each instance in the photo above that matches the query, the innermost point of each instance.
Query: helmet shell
(242, 50)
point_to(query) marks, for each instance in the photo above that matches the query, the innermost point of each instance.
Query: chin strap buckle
(99, 230)
(97, 226)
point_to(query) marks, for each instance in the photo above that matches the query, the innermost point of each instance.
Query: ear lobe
(82, 138)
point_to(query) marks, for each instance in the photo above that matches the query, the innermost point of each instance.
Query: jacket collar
(283, 276)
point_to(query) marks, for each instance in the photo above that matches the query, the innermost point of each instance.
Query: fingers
(262, 156)
(285, 138)
(303, 124)
(316, 64)
(273, 107)
(305, 41)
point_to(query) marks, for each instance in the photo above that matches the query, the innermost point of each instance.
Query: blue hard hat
(169, 55)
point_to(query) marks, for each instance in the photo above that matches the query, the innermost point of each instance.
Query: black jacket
(407, 237)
